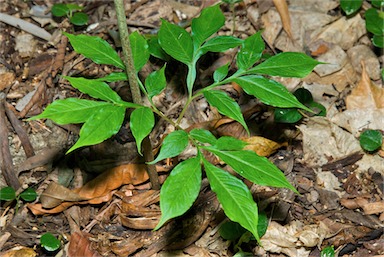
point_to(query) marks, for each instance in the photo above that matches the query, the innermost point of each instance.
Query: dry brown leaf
(55, 194)
(262, 146)
(282, 9)
(366, 94)
(101, 188)
(80, 245)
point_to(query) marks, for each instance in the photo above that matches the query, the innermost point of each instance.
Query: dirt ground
(341, 186)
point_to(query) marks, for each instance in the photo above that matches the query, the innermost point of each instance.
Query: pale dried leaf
(262, 146)
(366, 94)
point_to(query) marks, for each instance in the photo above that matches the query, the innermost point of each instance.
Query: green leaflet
(225, 105)
(203, 136)
(79, 18)
(350, 7)
(96, 49)
(209, 22)
(251, 51)
(234, 196)
(114, 76)
(221, 73)
(173, 144)
(220, 44)
(180, 190)
(155, 82)
(95, 88)
(142, 121)
(229, 144)
(101, 125)
(255, 168)
(269, 91)
(176, 42)
(140, 51)
(70, 110)
(7, 194)
(286, 64)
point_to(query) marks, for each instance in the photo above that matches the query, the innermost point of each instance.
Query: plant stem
(134, 86)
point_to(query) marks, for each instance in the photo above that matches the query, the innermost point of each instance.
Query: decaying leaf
(99, 189)
(55, 194)
(366, 94)
(282, 8)
(79, 245)
(19, 251)
(262, 146)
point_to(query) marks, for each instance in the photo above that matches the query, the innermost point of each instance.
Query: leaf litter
(341, 186)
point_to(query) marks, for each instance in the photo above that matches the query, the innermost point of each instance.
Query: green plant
(9, 194)
(293, 115)
(371, 140)
(374, 18)
(49, 242)
(328, 252)
(72, 11)
(103, 118)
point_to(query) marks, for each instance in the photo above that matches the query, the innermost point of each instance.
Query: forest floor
(341, 186)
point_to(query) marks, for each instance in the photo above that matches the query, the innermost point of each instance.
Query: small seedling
(49, 242)
(9, 194)
(371, 140)
(374, 18)
(72, 11)
(104, 116)
(328, 252)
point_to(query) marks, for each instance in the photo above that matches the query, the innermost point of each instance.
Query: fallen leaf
(79, 245)
(55, 194)
(262, 146)
(282, 9)
(99, 189)
(366, 94)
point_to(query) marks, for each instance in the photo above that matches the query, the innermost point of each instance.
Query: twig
(134, 86)
(24, 25)
(5, 155)
(17, 126)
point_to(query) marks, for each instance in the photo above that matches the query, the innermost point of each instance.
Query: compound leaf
(209, 22)
(225, 105)
(176, 42)
(142, 121)
(286, 64)
(95, 88)
(140, 50)
(173, 144)
(234, 196)
(103, 124)
(96, 49)
(70, 110)
(251, 51)
(180, 190)
(156, 82)
(255, 168)
(269, 91)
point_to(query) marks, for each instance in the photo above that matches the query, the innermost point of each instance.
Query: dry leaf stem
(134, 86)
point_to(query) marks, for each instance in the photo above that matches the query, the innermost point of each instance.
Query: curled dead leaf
(262, 146)
(97, 190)
(55, 194)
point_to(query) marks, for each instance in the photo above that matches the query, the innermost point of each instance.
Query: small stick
(17, 126)
(5, 156)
